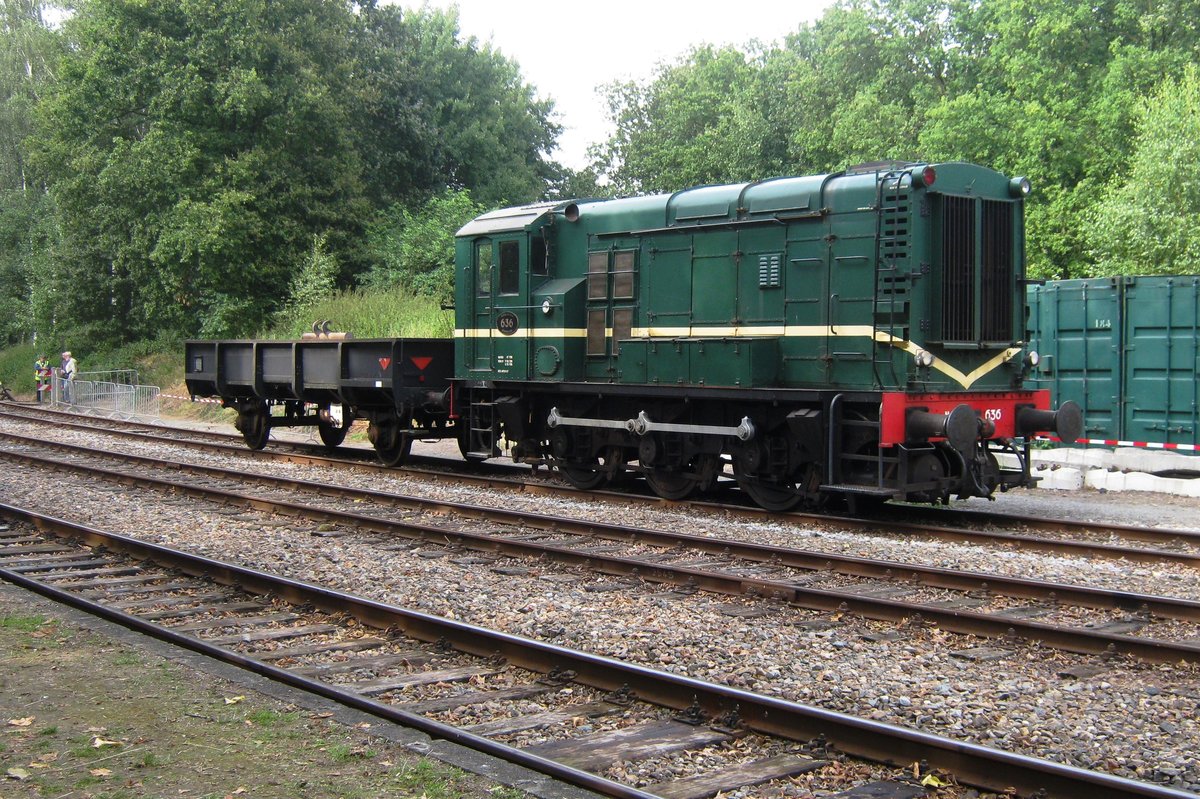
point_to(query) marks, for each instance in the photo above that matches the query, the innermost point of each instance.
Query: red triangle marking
(384, 363)
(421, 362)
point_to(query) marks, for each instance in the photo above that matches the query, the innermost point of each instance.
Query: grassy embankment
(375, 314)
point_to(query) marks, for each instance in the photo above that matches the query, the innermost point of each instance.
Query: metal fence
(115, 394)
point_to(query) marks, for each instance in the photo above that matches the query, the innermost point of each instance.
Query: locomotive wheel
(671, 485)
(769, 496)
(584, 476)
(332, 436)
(252, 422)
(777, 493)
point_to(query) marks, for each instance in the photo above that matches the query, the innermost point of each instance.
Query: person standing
(41, 375)
(67, 372)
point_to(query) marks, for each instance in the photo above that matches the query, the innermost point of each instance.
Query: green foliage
(195, 165)
(194, 149)
(415, 248)
(16, 366)
(1149, 221)
(440, 111)
(694, 123)
(28, 229)
(371, 313)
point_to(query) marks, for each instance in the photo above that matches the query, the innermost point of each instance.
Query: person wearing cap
(67, 372)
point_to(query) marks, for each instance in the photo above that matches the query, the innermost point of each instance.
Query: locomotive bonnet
(856, 335)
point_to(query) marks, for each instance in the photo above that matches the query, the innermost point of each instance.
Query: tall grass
(373, 313)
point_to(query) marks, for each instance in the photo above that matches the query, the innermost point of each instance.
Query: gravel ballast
(1131, 719)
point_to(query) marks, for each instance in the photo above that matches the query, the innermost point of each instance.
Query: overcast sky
(569, 49)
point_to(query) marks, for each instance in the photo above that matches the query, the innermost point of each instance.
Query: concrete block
(1064, 479)
(1139, 481)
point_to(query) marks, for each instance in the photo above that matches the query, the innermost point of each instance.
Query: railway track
(1058, 536)
(1072, 618)
(582, 718)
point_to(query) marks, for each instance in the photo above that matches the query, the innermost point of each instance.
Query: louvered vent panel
(998, 286)
(958, 269)
(770, 270)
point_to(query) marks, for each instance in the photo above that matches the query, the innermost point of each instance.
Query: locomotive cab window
(483, 268)
(510, 267)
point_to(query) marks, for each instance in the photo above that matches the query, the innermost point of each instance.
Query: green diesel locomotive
(854, 335)
(858, 334)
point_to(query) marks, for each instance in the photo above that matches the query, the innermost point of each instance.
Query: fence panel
(115, 395)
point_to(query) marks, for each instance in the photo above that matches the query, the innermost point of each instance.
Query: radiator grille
(964, 319)
(998, 286)
(958, 269)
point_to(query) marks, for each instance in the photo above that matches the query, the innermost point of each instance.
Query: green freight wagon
(1126, 350)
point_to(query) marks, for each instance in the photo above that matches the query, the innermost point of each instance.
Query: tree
(1049, 92)
(443, 112)
(194, 148)
(28, 229)
(696, 121)
(1149, 220)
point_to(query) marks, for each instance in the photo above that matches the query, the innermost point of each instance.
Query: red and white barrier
(190, 399)
(1112, 442)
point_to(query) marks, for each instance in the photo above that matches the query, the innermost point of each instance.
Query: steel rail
(253, 581)
(1077, 640)
(937, 531)
(972, 764)
(815, 560)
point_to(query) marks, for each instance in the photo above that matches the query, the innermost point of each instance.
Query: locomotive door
(850, 330)
(500, 338)
(806, 305)
(479, 335)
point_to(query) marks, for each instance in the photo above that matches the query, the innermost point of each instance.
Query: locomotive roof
(506, 219)
(773, 198)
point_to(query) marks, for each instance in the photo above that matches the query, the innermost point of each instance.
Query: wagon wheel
(391, 443)
(253, 424)
(332, 435)
(464, 442)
